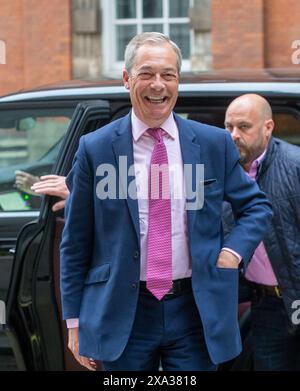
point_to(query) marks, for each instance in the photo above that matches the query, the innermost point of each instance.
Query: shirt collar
(139, 127)
(255, 164)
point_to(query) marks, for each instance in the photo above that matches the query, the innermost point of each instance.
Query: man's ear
(126, 79)
(269, 126)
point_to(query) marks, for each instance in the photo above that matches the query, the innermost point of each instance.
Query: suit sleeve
(249, 204)
(77, 237)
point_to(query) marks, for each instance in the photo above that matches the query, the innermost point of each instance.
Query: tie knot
(156, 133)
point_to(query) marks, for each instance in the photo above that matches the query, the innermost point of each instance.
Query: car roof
(232, 82)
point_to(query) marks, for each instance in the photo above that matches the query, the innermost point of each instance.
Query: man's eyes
(169, 76)
(244, 127)
(145, 75)
(148, 75)
(239, 127)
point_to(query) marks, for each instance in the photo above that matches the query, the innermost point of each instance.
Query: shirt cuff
(233, 252)
(72, 323)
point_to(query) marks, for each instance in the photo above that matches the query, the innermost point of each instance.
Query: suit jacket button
(134, 286)
(136, 255)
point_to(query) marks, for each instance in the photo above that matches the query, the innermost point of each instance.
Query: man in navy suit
(148, 278)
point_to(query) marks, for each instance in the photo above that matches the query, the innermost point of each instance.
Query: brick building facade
(37, 36)
(50, 41)
(254, 34)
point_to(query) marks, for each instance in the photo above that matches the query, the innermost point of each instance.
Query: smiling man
(145, 281)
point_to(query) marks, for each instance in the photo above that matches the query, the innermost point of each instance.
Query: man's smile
(156, 99)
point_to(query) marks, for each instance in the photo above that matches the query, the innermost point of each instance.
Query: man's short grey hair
(152, 39)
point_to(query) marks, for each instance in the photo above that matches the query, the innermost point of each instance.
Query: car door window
(287, 120)
(287, 126)
(29, 143)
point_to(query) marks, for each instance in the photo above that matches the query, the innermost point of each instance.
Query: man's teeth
(156, 99)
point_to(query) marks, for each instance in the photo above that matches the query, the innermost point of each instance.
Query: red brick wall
(282, 27)
(245, 34)
(237, 34)
(37, 34)
(254, 34)
(11, 31)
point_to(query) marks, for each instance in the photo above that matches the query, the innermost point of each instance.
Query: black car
(42, 130)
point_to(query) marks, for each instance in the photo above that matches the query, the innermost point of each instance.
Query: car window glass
(287, 124)
(29, 144)
(287, 127)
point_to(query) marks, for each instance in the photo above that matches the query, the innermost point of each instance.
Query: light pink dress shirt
(260, 269)
(143, 145)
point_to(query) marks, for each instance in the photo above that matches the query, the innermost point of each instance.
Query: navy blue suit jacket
(100, 267)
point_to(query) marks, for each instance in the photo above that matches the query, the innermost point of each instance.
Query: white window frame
(112, 68)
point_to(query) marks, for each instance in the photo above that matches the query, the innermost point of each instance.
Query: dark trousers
(167, 333)
(275, 345)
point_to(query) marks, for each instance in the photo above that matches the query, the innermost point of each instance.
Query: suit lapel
(191, 154)
(123, 146)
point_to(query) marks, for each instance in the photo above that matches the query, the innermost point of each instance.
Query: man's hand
(54, 185)
(73, 346)
(227, 260)
(24, 181)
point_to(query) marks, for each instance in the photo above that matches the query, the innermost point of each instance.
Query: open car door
(34, 324)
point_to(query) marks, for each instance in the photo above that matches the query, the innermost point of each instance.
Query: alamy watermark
(2, 52)
(2, 313)
(167, 181)
(296, 314)
(296, 53)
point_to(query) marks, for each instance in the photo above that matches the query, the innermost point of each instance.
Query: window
(287, 126)
(287, 122)
(122, 19)
(29, 141)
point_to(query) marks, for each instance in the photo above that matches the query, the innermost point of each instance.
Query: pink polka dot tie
(159, 249)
